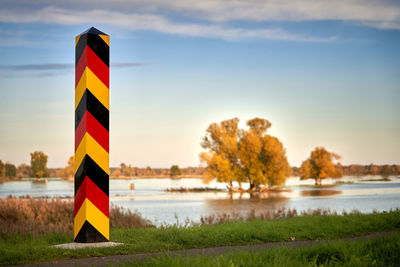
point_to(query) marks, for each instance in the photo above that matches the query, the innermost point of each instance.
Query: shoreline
(28, 179)
(153, 177)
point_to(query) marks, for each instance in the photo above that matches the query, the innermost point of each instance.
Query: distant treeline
(362, 170)
(37, 168)
(10, 170)
(129, 171)
(350, 170)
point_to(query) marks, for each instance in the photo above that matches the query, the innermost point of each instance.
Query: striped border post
(91, 204)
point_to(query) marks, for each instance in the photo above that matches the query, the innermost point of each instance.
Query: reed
(280, 213)
(195, 190)
(40, 216)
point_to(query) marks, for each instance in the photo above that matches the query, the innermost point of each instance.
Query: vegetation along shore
(28, 228)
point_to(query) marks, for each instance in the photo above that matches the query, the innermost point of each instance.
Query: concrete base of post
(87, 245)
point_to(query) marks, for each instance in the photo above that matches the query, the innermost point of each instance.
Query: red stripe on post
(98, 67)
(95, 64)
(88, 189)
(89, 124)
(80, 67)
(97, 131)
(80, 196)
(80, 131)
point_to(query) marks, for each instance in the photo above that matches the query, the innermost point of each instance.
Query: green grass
(24, 249)
(381, 251)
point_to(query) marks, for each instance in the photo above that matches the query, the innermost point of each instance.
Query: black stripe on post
(97, 44)
(90, 103)
(89, 234)
(90, 169)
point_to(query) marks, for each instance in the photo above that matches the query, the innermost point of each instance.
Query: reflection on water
(319, 193)
(38, 185)
(150, 199)
(244, 203)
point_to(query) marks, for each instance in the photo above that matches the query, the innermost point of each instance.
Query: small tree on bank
(68, 171)
(385, 171)
(239, 155)
(39, 164)
(2, 170)
(175, 171)
(320, 165)
(149, 171)
(24, 171)
(10, 170)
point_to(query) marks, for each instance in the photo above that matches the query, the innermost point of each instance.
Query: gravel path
(117, 259)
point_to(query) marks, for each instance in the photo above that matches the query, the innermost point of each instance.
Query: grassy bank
(381, 251)
(32, 247)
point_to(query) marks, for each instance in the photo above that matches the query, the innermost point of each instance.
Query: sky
(324, 73)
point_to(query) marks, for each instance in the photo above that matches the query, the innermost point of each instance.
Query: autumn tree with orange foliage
(320, 165)
(68, 171)
(39, 164)
(239, 155)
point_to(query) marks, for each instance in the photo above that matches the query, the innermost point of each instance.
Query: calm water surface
(153, 203)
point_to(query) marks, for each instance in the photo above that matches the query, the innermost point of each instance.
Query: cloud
(368, 12)
(38, 67)
(373, 13)
(7, 75)
(206, 18)
(128, 64)
(62, 66)
(153, 22)
(384, 25)
(53, 69)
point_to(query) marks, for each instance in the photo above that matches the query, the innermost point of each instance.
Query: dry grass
(41, 216)
(195, 189)
(281, 213)
(122, 218)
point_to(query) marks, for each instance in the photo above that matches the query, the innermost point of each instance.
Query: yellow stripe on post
(77, 39)
(89, 146)
(90, 81)
(105, 38)
(89, 212)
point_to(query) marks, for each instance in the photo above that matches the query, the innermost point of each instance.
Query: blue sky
(325, 74)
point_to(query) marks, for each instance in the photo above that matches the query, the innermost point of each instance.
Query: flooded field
(151, 200)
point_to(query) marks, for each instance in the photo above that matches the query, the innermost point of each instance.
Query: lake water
(150, 199)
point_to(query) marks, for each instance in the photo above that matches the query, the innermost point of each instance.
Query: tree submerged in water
(240, 155)
(39, 164)
(320, 165)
